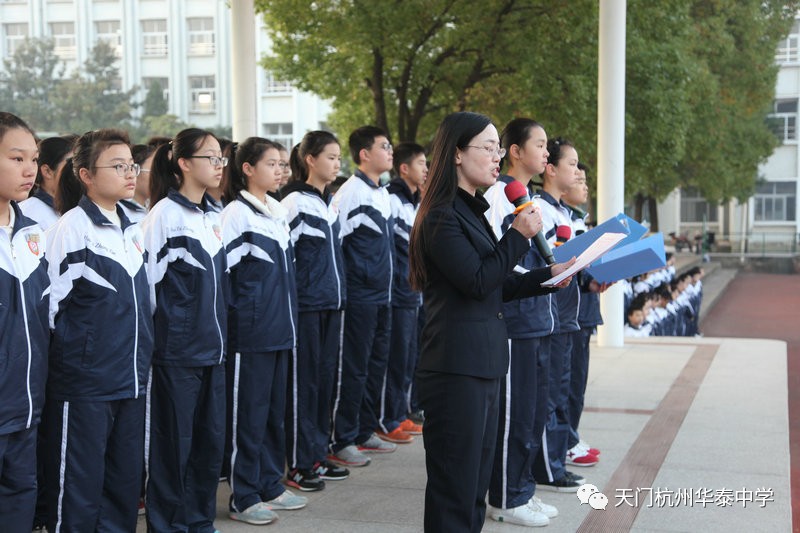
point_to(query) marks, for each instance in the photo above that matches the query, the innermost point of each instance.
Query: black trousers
(18, 479)
(460, 433)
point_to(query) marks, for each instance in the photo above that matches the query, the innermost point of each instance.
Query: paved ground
(686, 426)
(767, 306)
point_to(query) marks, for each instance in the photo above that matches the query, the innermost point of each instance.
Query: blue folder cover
(630, 260)
(575, 246)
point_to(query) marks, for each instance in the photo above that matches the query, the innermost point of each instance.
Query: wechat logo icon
(590, 494)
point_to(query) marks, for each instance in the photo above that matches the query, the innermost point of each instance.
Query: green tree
(28, 81)
(154, 102)
(92, 98)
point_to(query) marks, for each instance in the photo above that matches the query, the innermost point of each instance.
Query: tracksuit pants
(18, 479)
(523, 413)
(460, 433)
(579, 375)
(557, 426)
(186, 432)
(95, 452)
(312, 376)
(402, 361)
(257, 404)
(365, 353)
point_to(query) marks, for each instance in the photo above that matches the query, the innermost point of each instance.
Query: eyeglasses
(491, 150)
(123, 169)
(386, 146)
(214, 160)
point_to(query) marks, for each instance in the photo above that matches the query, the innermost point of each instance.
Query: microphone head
(516, 193)
(563, 233)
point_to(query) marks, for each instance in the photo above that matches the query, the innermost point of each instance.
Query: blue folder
(576, 246)
(630, 260)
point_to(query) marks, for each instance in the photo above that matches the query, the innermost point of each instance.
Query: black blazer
(468, 276)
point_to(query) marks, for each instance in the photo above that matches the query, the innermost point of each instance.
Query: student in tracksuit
(186, 400)
(101, 348)
(411, 169)
(262, 331)
(558, 177)
(24, 335)
(530, 322)
(367, 232)
(53, 155)
(136, 208)
(319, 270)
(588, 319)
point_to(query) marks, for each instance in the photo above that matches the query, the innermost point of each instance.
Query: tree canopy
(700, 75)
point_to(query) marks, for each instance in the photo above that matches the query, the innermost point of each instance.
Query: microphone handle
(541, 244)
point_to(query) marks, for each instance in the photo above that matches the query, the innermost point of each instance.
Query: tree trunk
(638, 207)
(376, 85)
(653, 208)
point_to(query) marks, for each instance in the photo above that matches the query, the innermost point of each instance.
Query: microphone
(517, 194)
(563, 234)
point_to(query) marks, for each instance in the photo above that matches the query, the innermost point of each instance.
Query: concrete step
(714, 284)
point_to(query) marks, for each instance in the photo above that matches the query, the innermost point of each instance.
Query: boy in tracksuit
(367, 240)
(24, 335)
(411, 168)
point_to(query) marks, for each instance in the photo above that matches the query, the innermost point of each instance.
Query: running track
(767, 306)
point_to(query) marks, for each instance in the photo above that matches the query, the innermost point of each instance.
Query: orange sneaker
(397, 436)
(410, 427)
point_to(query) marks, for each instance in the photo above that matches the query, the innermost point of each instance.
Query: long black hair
(52, 151)
(454, 133)
(251, 150)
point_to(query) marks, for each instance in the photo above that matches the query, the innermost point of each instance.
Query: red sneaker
(410, 427)
(398, 436)
(578, 456)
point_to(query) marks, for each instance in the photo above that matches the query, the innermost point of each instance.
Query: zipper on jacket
(216, 316)
(27, 333)
(333, 257)
(135, 321)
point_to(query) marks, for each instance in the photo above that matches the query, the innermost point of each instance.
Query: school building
(184, 45)
(769, 219)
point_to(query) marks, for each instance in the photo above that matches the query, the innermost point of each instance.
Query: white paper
(595, 251)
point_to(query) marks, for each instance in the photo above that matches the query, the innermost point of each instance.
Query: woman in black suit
(465, 275)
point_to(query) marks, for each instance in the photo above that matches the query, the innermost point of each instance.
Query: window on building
(63, 34)
(280, 133)
(154, 37)
(787, 51)
(273, 85)
(776, 201)
(162, 82)
(203, 94)
(108, 30)
(14, 35)
(783, 119)
(695, 208)
(201, 36)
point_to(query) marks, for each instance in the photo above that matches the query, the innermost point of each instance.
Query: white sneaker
(523, 515)
(539, 506)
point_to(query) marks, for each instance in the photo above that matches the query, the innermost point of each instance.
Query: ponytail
(249, 151)
(163, 174)
(298, 166)
(69, 190)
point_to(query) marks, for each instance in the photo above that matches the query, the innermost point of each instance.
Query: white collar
(268, 206)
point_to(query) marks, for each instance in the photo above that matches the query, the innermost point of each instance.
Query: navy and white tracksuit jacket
(102, 330)
(185, 265)
(133, 210)
(262, 334)
(367, 238)
(405, 311)
(40, 207)
(321, 290)
(523, 394)
(24, 332)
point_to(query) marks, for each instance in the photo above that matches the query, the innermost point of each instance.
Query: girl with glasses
(186, 400)
(101, 345)
(262, 324)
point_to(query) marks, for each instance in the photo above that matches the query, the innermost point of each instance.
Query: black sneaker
(328, 470)
(305, 480)
(418, 417)
(577, 478)
(565, 484)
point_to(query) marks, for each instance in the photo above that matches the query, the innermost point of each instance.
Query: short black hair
(404, 153)
(362, 139)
